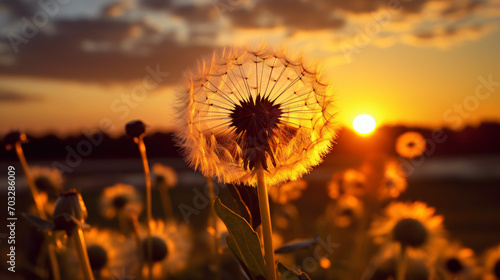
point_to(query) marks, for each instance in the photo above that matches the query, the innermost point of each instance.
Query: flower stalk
(83, 256)
(40, 210)
(149, 213)
(266, 223)
(401, 268)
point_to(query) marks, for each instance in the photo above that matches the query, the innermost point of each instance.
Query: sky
(70, 66)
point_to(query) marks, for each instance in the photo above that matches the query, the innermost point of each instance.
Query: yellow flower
(394, 181)
(456, 262)
(410, 224)
(348, 182)
(287, 192)
(492, 264)
(410, 144)
(116, 198)
(171, 247)
(245, 108)
(166, 174)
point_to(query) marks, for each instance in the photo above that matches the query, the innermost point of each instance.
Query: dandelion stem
(41, 212)
(166, 201)
(137, 234)
(83, 256)
(265, 216)
(149, 257)
(401, 269)
(213, 224)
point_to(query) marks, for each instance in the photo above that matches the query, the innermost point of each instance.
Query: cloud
(101, 50)
(15, 97)
(117, 45)
(444, 38)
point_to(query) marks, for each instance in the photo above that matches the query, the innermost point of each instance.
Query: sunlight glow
(363, 124)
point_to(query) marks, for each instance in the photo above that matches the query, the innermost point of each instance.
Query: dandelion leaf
(243, 209)
(296, 246)
(38, 222)
(242, 240)
(249, 197)
(287, 273)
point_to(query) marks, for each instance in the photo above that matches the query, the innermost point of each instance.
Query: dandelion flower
(410, 224)
(410, 144)
(456, 262)
(171, 247)
(47, 179)
(104, 254)
(165, 174)
(345, 211)
(249, 108)
(287, 192)
(115, 198)
(492, 264)
(348, 182)
(394, 181)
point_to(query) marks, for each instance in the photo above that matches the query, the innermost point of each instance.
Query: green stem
(40, 210)
(265, 216)
(149, 257)
(81, 249)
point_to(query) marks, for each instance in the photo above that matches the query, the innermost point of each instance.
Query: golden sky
(73, 66)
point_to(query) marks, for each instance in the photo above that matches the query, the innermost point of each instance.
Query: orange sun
(363, 124)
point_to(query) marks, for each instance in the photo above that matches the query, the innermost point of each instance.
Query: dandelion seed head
(245, 108)
(171, 246)
(165, 174)
(287, 192)
(394, 181)
(492, 263)
(347, 182)
(47, 179)
(410, 144)
(118, 198)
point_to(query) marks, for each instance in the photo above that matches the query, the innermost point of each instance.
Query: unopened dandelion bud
(69, 212)
(135, 129)
(410, 232)
(14, 137)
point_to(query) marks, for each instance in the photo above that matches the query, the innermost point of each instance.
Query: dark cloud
(157, 4)
(11, 96)
(18, 8)
(462, 10)
(295, 14)
(62, 54)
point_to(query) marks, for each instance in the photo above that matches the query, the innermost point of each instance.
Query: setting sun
(363, 124)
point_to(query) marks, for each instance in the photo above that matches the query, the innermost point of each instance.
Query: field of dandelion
(464, 190)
